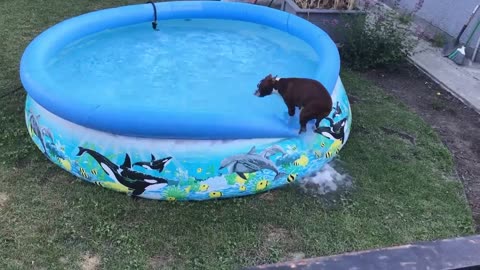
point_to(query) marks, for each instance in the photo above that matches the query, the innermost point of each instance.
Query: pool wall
(113, 118)
(102, 146)
(194, 168)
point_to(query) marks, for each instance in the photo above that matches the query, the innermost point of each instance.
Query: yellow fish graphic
(65, 163)
(113, 186)
(261, 185)
(334, 148)
(203, 187)
(291, 177)
(302, 161)
(215, 194)
(83, 172)
(240, 180)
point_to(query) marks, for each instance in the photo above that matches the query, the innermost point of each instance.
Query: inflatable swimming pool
(168, 112)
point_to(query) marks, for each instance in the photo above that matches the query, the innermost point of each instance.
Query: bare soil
(90, 262)
(3, 199)
(457, 124)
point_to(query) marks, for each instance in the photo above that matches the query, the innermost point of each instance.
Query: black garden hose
(154, 23)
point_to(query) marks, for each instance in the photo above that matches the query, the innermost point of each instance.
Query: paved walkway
(462, 81)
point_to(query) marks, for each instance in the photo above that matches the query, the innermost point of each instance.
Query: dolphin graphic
(252, 162)
(35, 127)
(136, 181)
(154, 164)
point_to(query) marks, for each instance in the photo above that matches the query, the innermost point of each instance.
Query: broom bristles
(458, 56)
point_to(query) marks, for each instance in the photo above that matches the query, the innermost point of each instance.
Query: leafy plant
(405, 18)
(382, 38)
(438, 40)
(327, 4)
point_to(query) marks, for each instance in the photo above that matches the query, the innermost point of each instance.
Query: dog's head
(265, 86)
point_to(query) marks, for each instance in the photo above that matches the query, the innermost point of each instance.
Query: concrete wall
(446, 17)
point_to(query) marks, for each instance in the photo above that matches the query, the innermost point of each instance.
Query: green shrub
(379, 39)
(438, 40)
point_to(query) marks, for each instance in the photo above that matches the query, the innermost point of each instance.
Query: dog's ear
(269, 76)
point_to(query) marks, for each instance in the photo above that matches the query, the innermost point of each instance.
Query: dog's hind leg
(320, 117)
(306, 115)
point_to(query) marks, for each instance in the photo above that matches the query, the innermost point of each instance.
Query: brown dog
(309, 95)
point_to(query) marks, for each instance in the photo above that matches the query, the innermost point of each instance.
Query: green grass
(403, 192)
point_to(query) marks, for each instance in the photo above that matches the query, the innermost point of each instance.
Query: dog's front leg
(291, 110)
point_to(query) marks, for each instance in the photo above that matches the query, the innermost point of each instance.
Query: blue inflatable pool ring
(156, 100)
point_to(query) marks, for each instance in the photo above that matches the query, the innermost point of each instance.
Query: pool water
(189, 66)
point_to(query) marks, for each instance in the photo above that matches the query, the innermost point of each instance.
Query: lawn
(403, 191)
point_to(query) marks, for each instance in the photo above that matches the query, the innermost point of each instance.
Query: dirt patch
(276, 235)
(90, 262)
(294, 256)
(3, 199)
(267, 196)
(457, 124)
(159, 262)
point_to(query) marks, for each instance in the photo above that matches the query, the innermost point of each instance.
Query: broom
(476, 50)
(449, 48)
(458, 56)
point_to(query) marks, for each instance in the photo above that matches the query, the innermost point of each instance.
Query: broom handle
(465, 25)
(473, 32)
(476, 50)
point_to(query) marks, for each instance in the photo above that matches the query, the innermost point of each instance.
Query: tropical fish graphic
(84, 173)
(215, 194)
(302, 161)
(334, 148)
(291, 177)
(65, 164)
(262, 184)
(113, 186)
(203, 187)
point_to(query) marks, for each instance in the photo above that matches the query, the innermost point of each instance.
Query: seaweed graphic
(234, 178)
(173, 193)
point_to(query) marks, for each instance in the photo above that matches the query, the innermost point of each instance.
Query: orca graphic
(154, 164)
(337, 111)
(136, 181)
(336, 131)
